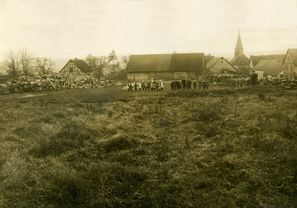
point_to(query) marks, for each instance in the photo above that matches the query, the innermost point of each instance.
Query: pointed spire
(239, 43)
(238, 48)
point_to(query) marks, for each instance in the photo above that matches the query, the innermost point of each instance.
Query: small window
(70, 69)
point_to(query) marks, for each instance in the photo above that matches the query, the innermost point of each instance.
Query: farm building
(268, 68)
(290, 64)
(219, 65)
(76, 67)
(240, 61)
(165, 66)
(254, 60)
(267, 65)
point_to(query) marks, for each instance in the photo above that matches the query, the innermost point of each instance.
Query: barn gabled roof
(177, 62)
(257, 59)
(186, 62)
(208, 58)
(215, 60)
(293, 52)
(212, 62)
(270, 67)
(149, 63)
(81, 64)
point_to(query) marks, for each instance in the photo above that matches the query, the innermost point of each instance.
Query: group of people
(158, 85)
(188, 84)
(149, 85)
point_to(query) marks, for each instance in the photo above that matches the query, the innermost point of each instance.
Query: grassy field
(111, 148)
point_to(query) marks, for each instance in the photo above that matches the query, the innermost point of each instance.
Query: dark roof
(215, 60)
(148, 63)
(293, 52)
(207, 58)
(241, 60)
(177, 62)
(212, 62)
(187, 62)
(270, 67)
(257, 59)
(81, 64)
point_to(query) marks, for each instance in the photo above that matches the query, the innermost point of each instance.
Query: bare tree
(44, 65)
(112, 58)
(97, 64)
(125, 60)
(25, 60)
(12, 64)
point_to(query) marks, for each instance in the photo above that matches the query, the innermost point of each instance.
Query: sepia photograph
(148, 103)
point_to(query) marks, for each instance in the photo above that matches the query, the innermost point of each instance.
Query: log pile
(290, 84)
(54, 82)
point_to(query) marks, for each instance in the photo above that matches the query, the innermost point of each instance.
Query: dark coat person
(173, 85)
(189, 84)
(254, 78)
(183, 82)
(194, 84)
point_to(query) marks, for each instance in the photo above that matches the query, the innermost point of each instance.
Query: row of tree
(21, 62)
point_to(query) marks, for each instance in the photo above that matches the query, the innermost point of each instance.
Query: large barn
(165, 66)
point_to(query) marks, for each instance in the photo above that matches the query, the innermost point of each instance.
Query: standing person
(178, 85)
(129, 86)
(148, 85)
(156, 83)
(173, 85)
(204, 84)
(152, 85)
(254, 78)
(189, 84)
(135, 86)
(139, 86)
(183, 84)
(194, 84)
(142, 85)
(161, 84)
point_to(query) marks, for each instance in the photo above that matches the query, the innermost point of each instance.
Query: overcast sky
(75, 28)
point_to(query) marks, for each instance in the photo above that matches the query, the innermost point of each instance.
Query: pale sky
(75, 28)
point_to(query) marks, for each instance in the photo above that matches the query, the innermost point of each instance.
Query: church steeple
(238, 48)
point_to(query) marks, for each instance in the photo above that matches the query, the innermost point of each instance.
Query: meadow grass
(89, 148)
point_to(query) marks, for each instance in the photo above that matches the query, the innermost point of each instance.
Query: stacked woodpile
(53, 82)
(290, 84)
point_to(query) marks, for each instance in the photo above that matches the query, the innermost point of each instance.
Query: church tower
(238, 48)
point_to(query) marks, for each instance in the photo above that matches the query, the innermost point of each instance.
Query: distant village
(190, 65)
(187, 65)
(36, 74)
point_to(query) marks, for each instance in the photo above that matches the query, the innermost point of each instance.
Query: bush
(71, 136)
(208, 113)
